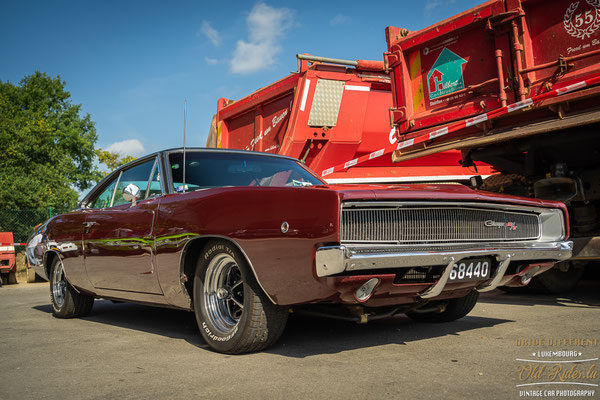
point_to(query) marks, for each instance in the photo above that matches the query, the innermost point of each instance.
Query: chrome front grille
(435, 224)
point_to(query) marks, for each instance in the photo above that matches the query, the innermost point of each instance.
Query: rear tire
(66, 301)
(12, 278)
(233, 313)
(456, 308)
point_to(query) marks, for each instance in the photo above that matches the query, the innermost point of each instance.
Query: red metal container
(326, 114)
(493, 55)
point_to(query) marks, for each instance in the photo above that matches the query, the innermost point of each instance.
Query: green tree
(46, 145)
(112, 160)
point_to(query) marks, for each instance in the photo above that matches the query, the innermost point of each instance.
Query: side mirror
(131, 193)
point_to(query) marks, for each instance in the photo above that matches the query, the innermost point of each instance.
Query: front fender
(251, 217)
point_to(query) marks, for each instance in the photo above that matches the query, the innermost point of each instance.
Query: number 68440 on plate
(470, 270)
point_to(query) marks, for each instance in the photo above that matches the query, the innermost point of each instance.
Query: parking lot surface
(129, 351)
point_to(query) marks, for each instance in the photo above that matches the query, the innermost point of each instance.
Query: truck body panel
(326, 114)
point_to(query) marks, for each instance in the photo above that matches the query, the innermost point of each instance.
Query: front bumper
(333, 260)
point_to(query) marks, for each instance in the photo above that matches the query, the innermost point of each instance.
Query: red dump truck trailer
(8, 265)
(329, 112)
(515, 84)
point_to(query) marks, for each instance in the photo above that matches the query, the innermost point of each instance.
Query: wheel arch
(189, 257)
(49, 257)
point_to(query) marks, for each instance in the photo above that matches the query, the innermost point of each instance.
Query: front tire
(233, 313)
(66, 301)
(455, 309)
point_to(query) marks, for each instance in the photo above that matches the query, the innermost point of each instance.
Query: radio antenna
(184, 124)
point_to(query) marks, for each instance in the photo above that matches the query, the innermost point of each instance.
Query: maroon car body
(294, 238)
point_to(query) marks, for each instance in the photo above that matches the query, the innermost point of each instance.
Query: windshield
(215, 169)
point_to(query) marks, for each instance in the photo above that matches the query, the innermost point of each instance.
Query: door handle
(87, 226)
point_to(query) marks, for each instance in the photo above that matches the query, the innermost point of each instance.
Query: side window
(104, 199)
(139, 176)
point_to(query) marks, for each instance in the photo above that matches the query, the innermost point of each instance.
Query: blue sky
(131, 64)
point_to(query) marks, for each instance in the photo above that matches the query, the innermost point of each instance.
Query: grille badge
(510, 225)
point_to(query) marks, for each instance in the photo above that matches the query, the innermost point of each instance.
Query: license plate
(474, 269)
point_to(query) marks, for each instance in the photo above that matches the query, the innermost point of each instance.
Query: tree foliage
(112, 160)
(46, 145)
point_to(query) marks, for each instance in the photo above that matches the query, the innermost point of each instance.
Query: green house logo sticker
(446, 75)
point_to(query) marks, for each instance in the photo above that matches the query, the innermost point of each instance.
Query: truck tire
(66, 301)
(456, 308)
(12, 278)
(561, 278)
(233, 314)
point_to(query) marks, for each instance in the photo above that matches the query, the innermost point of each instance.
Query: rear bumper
(335, 260)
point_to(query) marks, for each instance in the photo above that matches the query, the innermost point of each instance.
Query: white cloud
(211, 61)
(211, 33)
(340, 19)
(252, 57)
(266, 25)
(130, 147)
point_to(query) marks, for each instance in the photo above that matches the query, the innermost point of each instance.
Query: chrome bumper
(334, 260)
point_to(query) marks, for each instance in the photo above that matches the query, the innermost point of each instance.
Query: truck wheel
(12, 278)
(233, 313)
(66, 301)
(563, 277)
(456, 308)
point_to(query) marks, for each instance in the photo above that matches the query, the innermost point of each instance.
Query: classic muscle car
(240, 238)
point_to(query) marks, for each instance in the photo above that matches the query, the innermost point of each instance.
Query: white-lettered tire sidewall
(58, 311)
(223, 343)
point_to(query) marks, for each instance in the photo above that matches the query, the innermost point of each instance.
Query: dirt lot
(132, 351)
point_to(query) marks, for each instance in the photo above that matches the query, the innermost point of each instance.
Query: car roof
(221, 150)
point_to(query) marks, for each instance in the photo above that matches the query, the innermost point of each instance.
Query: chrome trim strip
(333, 260)
(497, 206)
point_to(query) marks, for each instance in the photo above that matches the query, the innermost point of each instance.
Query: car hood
(450, 192)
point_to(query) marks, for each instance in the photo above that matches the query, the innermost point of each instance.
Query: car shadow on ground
(586, 294)
(176, 324)
(304, 336)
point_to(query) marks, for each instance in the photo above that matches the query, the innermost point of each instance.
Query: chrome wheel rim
(223, 294)
(59, 285)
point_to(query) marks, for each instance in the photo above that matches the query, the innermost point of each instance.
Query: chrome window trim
(154, 167)
(112, 198)
(97, 190)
